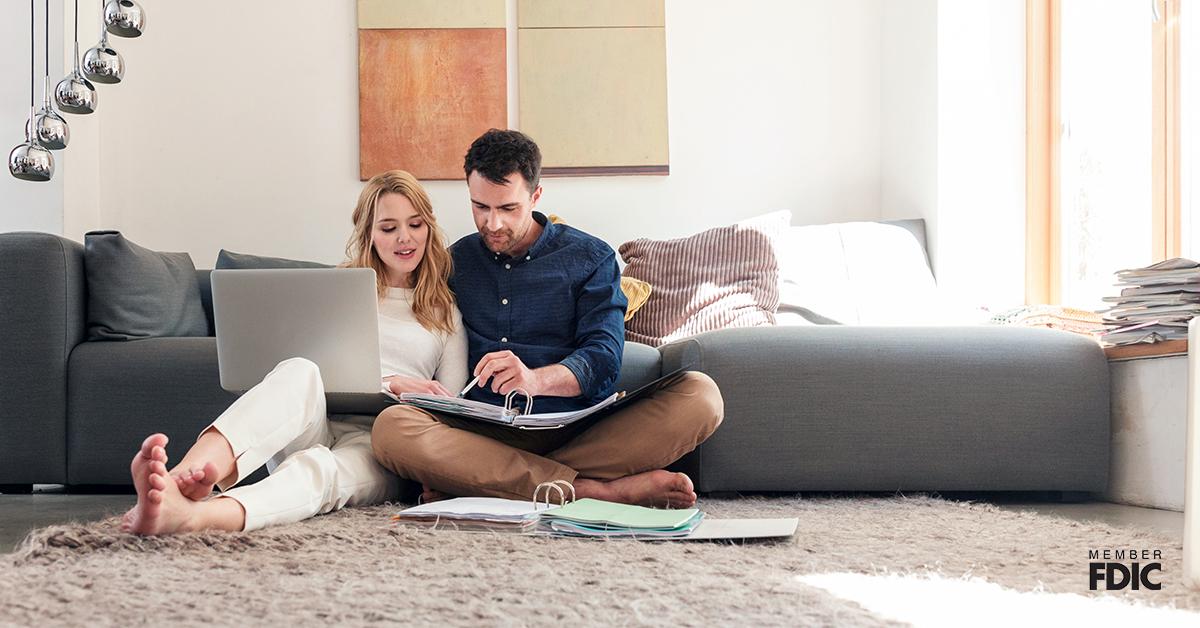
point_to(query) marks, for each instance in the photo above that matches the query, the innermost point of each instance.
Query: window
(1103, 160)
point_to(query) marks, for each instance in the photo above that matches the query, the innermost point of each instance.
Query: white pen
(468, 386)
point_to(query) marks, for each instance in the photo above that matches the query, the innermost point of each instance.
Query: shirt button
(507, 266)
(504, 340)
(527, 258)
(504, 301)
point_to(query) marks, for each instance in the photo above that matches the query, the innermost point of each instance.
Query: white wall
(981, 150)
(27, 205)
(908, 112)
(953, 139)
(243, 133)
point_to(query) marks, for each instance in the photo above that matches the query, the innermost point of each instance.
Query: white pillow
(812, 276)
(889, 275)
(860, 273)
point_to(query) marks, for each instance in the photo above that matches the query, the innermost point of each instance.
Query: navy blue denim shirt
(560, 303)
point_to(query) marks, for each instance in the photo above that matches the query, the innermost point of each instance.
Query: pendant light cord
(47, 40)
(32, 54)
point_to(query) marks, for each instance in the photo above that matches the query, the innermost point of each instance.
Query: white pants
(316, 465)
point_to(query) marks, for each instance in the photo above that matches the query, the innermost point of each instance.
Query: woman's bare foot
(161, 508)
(152, 449)
(656, 489)
(209, 460)
(196, 484)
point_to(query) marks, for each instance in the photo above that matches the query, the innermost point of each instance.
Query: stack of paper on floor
(593, 517)
(476, 513)
(1155, 304)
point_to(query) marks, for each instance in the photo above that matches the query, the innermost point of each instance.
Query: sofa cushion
(134, 292)
(118, 393)
(244, 261)
(719, 278)
(640, 365)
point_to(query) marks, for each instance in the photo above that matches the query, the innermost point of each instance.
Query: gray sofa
(806, 408)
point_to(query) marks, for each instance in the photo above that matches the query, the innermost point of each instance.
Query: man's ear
(533, 198)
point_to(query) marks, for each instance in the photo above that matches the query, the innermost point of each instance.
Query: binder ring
(508, 402)
(556, 485)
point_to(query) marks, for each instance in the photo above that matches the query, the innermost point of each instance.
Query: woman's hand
(401, 384)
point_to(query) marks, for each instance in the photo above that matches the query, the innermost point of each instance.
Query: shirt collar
(549, 230)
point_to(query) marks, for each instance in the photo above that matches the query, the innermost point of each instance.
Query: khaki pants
(476, 458)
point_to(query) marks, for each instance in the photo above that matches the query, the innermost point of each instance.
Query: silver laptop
(327, 315)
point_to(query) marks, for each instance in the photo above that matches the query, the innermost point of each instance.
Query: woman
(318, 465)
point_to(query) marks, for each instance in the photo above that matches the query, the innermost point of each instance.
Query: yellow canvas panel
(595, 97)
(431, 14)
(590, 13)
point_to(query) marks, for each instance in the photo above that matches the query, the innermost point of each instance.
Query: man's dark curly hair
(497, 154)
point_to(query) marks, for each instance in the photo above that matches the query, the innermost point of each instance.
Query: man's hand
(507, 373)
(401, 384)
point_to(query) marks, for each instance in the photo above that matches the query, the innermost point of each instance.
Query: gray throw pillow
(242, 261)
(134, 292)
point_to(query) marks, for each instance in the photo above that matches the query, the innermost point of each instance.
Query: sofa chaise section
(838, 408)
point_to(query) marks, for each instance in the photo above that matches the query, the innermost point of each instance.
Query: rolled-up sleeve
(599, 331)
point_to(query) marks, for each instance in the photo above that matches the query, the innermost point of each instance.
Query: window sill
(1153, 350)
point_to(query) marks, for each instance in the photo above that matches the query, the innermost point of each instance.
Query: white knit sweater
(406, 348)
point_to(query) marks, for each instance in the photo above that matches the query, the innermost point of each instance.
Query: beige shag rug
(355, 568)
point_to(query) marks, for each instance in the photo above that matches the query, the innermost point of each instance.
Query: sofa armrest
(43, 303)
(832, 408)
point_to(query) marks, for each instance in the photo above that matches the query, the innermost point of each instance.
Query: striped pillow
(723, 277)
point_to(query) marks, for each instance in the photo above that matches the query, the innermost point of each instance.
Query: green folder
(609, 514)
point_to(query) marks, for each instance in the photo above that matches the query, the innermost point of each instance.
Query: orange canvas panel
(425, 94)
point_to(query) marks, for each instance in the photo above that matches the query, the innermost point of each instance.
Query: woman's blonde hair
(432, 302)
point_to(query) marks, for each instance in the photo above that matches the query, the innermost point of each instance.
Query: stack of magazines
(1156, 303)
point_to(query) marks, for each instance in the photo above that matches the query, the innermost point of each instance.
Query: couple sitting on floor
(541, 311)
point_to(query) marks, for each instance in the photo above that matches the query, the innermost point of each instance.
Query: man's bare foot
(196, 484)
(431, 495)
(656, 489)
(161, 508)
(152, 449)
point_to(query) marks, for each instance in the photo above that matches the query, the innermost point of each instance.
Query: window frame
(1043, 133)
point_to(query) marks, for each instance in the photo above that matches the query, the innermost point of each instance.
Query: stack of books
(1156, 303)
(582, 518)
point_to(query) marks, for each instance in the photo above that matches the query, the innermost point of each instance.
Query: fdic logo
(1117, 576)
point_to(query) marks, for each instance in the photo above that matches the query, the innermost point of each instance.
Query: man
(544, 313)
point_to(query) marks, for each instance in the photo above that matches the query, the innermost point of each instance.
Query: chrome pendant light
(76, 94)
(101, 63)
(124, 18)
(50, 129)
(29, 161)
